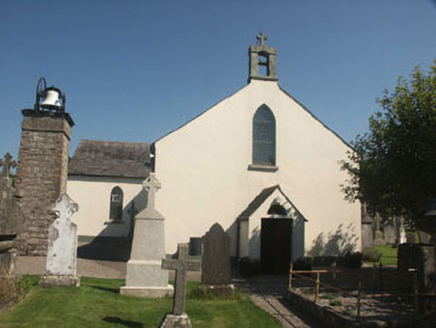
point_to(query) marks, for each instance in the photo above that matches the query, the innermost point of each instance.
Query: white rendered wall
(203, 168)
(93, 196)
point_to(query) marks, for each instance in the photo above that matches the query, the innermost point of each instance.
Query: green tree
(393, 166)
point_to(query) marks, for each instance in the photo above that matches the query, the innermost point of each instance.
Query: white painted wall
(203, 169)
(93, 196)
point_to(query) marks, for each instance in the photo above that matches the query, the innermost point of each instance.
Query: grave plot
(366, 297)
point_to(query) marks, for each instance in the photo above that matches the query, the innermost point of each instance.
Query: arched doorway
(276, 242)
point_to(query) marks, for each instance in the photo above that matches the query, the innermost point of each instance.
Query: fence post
(290, 277)
(359, 287)
(317, 287)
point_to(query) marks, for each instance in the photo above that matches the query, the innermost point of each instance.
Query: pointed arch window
(116, 205)
(264, 137)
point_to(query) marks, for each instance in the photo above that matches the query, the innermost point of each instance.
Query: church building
(258, 162)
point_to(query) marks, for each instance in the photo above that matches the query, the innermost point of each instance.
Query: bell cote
(262, 61)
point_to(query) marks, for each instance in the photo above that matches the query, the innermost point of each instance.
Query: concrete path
(267, 292)
(87, 268)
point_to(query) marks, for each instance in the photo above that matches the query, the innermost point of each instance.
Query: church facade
(258, 162)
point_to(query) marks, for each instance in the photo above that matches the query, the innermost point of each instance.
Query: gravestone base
(147, 292)
(60, 281)
(146, 278)
(176, 321)
(219, 290)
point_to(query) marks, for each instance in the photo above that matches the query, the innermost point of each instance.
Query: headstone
(215, 262)
(410, 238)
(378, 236)
(145, 277)
(419, 257)
(7, 163)
(10, 206)
(61, 268)
(195, 246)
(179, 318)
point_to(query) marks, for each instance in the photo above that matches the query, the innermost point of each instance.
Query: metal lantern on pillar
(50, 98)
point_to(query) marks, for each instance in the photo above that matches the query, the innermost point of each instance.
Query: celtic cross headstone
(61, 268)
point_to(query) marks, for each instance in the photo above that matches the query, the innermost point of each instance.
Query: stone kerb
(61, 268)
(215, 263)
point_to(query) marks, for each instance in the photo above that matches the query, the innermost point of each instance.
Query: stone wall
(41, 174)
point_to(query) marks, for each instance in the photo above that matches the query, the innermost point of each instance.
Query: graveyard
(253, 214)
(105, 307)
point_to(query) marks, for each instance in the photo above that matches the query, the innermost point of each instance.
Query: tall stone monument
(10, 217)
(215, 262)
(10, 210)
(145, 277)
(61, 269)
(42, 171)
(179, 319)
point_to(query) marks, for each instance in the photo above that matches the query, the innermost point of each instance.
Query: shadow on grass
(106, 289)
(130, 324)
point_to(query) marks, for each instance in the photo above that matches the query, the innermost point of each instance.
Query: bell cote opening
(262, 61)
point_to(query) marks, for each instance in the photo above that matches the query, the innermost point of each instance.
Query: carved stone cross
(152, 185)
(65, 207)
(181, 265)
(7, 164)
(261, 39)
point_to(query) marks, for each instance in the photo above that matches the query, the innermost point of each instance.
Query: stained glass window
(264, 137)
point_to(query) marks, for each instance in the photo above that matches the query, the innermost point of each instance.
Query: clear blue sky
(135, 70)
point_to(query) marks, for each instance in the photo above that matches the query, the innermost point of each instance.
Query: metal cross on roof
(7, 164)
(181, 265)
(261, 38)
(152, 185)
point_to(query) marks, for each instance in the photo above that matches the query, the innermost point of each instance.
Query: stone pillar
(41, 174)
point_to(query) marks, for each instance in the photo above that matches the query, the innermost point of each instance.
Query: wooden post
(317, 287)
(359, 287)
(290, 277)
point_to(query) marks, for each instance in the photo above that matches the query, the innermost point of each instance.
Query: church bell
(51, 100)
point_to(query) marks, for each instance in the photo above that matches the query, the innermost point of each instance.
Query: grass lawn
(389, 254)
(97, 303)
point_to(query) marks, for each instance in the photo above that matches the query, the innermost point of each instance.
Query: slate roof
(255, 204)
(111, 159)
(260, 199)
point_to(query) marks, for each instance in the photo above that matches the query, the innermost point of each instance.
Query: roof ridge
(114, 142)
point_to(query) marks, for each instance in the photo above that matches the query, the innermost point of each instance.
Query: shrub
(323, 261)
(248, 267)
(303, 263)
(350, 261)
(335, 303)
(372, 255)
